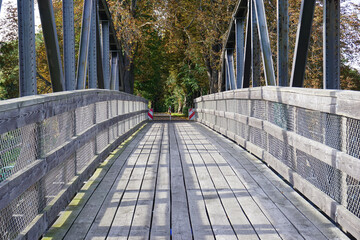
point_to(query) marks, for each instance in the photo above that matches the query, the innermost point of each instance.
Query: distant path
(166, 117)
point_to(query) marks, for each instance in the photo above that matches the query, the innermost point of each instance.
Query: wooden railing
(50, 144)
(310, 137)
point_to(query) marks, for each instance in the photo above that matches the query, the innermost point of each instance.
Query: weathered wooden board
(183, 181)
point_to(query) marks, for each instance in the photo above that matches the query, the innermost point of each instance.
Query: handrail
(50, 144)
(309, 136)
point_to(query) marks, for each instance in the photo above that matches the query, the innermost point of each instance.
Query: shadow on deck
(180, 180)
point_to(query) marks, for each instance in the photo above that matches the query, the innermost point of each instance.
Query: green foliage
(9, 78)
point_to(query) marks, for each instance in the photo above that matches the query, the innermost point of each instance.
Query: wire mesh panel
(243, 107)
(101, 111)
(126, 107)
(120, 107)
(57, 179)
(353, 137)
(18, 148)
(84, 155)
(282, 151)
(55, 131)
(281, 115)
(102, 140)
(221, 105)
(243, 130)
(20, 212)
(231, 105)
(310, 124)
(258, 109)
(258, 137)
(84, 117)
(112, 108)
(113, 132)
(353, 195)
(323, 176)
(333, 131)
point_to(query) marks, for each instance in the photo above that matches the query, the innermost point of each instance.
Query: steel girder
(282, 42)
(69, 44)
(52, 45)
(27, 53)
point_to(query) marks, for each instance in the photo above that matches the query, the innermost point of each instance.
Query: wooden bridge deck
(184, 181)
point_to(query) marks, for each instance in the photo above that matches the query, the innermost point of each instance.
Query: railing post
(69, 44)
(331, 44)
(27, 53)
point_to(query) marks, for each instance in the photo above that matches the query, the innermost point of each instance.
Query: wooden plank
(160, 228)
(141, 224)
(101, 223)
(304, 219)
(180, 219)
(122, 221)
(201, 226)
(219, 221)
(64, 222)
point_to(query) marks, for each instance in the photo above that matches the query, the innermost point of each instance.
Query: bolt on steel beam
(69, 44)
(264, 42)
(52, 45)
(92, 49)
(27, 53)
(302, 43)
(105, 52)
(239, 38)
(331, 48)
(282, 42)
(84, 45)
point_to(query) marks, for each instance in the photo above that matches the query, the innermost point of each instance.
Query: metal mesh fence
(84, 155)
(112, 108)
(258, 137)
(282, 151)
(18, 148)
(339, 132)
(102, 140)
(310, 124)
(353, 137)
(84, 117)
(353, 195)
(55, 131)
(101, 111)
(258, 109)
(20, 212)
(323, 176)
(281, 115)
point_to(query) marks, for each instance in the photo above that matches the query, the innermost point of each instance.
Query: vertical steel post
(302, 43)
(69, 44)
(248, 53)
(27, 54)
(227, 87)
(239, 38)
(0, 5)
(255, 48)
(282, 42)
(114, 71)
(265, 43)
(99, 64)
(331, 48)
(229, 57)
(105, 52)
(52, 44)
(92, 49)
(84, 45)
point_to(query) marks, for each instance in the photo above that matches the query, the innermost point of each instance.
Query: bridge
(261, 162)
